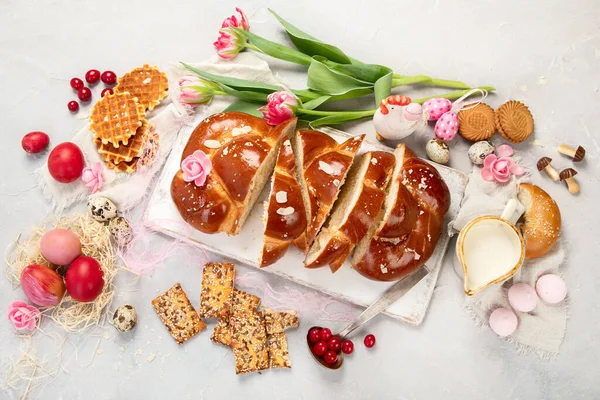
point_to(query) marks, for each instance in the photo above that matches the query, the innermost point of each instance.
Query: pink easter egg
(447, 126)
(522, 297)
(551, 288)
(435, 108)
(503, 321)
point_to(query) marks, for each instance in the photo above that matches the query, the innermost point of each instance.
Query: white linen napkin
(542, 330)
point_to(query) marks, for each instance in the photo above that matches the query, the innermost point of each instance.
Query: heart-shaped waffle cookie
(115, 118)
(145, 158)
(147, 83)
(125, 153)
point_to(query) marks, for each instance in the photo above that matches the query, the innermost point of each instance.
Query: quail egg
(480, 150)
(437, 150)
(121, 231)
(125, 318)
(102, 209)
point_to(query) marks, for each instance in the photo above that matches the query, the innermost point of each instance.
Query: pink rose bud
(93, 177)
(196, 168)
(499, 169)
(194, 90)
(280, 107)
(23, 316)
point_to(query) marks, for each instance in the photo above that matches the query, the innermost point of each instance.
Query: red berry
(107, 90)
(369, 341)
(314, 335)
(320, 348)
(330, 357)
(334, 344)
(325, 334)
(347, 346)
(92, 76)
(73, 106)
(84, 94)
(109, 77)
(34, 142)
(76, 83)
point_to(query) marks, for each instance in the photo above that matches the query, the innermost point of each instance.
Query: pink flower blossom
(195, 90)
(196, 167)
(242, 23)
(499, 168)
(230, 43)
(93, 177)
(280, 107)
(22, 315)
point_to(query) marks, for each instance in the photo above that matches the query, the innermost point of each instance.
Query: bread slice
(359, 203)
(321, 167)
(285, 214)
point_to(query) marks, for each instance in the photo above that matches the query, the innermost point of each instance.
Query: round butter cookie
(477, 123)
(514, 121)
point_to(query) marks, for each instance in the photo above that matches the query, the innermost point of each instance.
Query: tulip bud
(42, 285)
(280, 107)
(195, 90)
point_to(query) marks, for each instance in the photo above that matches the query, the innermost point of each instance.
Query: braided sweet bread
(321, 165)
(285, 214)
(242, 149)
(409, 225)
(359, 203)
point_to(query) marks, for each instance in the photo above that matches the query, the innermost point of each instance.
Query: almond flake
(374, 161)
(212, 144)
(323, 166)
(285, 211)
(240, 131)
(336, 182)
(281, 196)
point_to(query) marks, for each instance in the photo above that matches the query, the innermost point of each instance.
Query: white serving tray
(346, 284)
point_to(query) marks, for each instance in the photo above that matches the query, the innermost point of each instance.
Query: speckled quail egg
(125, 318)
(102, 209)
(480, 150)
(437, 150)
(121, 231)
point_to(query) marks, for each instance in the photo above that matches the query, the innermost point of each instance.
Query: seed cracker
(249, 342)
(242, 301)
(279, 321)
(177, 313)
(278, 351)
(217, 290)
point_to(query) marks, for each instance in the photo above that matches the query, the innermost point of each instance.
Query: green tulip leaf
(364, 72)
(248, 107)
(244, 94)
(274, 49)
(310, 45)
(239, 84)
(323, 79)
(383, 87)
(312, 104)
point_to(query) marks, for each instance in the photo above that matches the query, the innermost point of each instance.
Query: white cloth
(541, 330)
(126, 190)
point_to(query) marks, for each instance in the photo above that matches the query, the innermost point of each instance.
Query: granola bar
(177, 313)
(279, 321)
(278, 352)
(217, 290)
(249, 342)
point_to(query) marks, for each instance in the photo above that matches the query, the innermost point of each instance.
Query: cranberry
(92, 76)
(320, 348)
(369, 341)
(314, 335)
(347, 346)
(334, 344)
(330, 357)
(109, 77)
(76, 83)
(325, 334)
(84, 94)
(73, 106)
(107, 90)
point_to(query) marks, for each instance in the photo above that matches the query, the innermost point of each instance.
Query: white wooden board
(346, 284)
